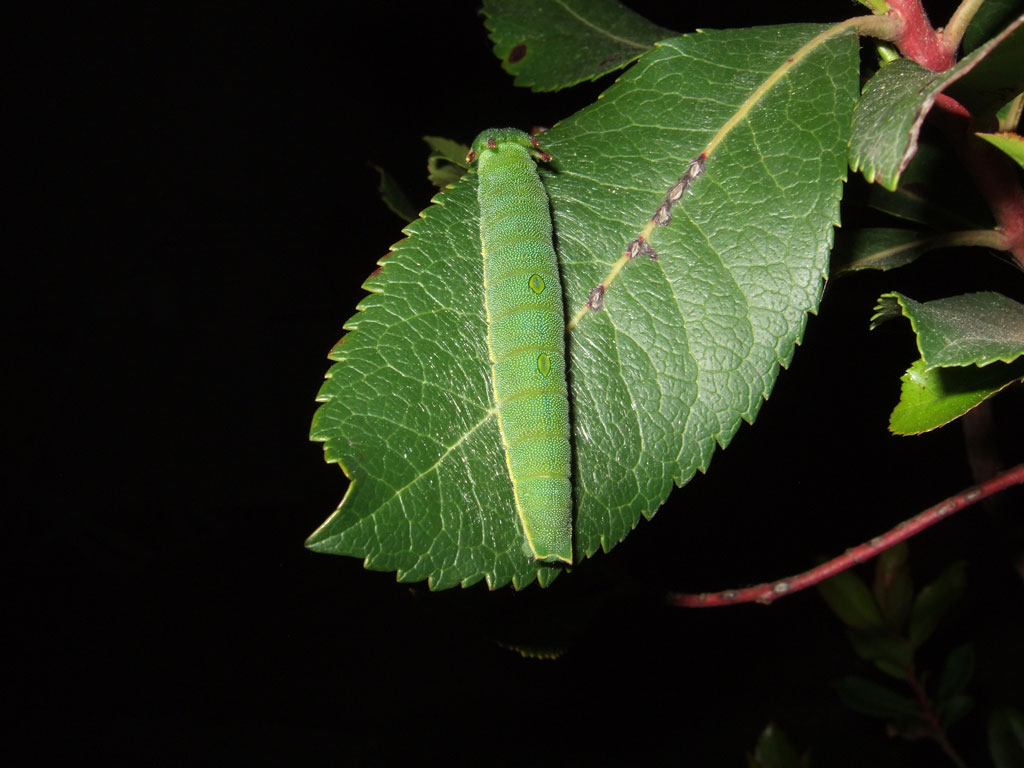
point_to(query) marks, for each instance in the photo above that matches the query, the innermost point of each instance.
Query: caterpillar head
(491, 138)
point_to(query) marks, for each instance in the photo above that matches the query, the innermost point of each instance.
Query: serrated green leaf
(972, 329)
(1010, 143)
(892, 587)
(851, 600)
(453, 151)
(935, 600)
(899, 96)
(1006, 737)
(446, 163)
(552, 44)
(884, 249)
(441, 173)
(870, 698)
(685, 349)
(980, 329)
(394, 196)
(956, 673)
(774, 750)
(888, 119)
(930, 399)
(878, 248)
(888, 308)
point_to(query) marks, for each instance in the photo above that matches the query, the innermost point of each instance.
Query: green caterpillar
(526, 337)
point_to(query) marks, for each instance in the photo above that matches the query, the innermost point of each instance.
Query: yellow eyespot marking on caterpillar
(536, 283)
(543, 364)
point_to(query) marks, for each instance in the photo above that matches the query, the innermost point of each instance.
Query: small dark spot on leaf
(518, 53)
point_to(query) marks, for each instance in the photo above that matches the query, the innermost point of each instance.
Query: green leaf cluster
(886, 624)
(896, 100)
(971, 347)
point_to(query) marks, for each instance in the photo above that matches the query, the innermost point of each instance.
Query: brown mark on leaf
(596, 298)
(634, 248)
(517, 54)
(676, 193)
(663, 215)
(697, 166)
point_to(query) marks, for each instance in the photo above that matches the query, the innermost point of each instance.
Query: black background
(199, 212)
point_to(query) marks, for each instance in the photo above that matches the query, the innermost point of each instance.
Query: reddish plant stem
(771, 591)
(932, 719)
(919, 41)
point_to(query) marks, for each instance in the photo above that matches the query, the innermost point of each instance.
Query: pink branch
(932, 719)
(769, 592)
(919, 41)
